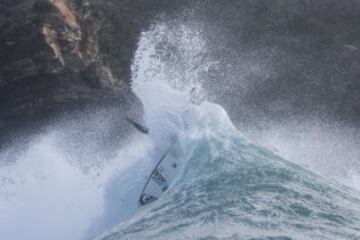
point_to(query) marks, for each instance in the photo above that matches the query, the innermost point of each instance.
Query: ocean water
(233, 189)
(228, 187)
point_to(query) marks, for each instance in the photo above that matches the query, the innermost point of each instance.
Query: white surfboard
(160, 178)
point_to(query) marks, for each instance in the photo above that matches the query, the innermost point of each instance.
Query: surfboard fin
(146, 198)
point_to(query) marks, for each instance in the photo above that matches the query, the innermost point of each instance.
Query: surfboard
(160, 178)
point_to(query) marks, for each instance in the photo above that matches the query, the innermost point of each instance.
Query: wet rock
(69, 55)
(61, 56)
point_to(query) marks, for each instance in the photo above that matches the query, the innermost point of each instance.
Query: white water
(164, 82)
(324, 148)
(46, 194)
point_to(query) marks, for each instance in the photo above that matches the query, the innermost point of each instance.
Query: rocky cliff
(66, 55)
(282, 59)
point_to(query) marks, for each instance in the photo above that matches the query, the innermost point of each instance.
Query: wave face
(229, 188)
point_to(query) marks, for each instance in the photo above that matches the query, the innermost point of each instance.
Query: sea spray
(46, 193)
(229, 188)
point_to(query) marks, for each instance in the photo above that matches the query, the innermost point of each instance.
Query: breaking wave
(229, 187)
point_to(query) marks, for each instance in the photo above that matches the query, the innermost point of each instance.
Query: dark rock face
(70, 55)
(66, 55)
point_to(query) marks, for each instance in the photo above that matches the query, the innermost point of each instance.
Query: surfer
(163, 173)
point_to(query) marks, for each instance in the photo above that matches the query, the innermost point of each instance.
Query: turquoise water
(228, 187)
(232, 189)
